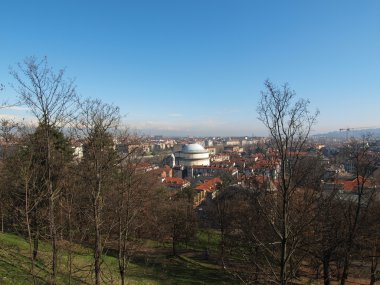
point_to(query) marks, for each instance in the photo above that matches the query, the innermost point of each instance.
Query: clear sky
(196, 67)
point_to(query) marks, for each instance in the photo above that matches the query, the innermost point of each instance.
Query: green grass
(154, 267)
(209, 239)
(196, 261)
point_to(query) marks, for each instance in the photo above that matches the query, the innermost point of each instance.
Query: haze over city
(197, 67)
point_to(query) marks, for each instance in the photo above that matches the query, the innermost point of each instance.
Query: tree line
(289, 229)
(98, 198)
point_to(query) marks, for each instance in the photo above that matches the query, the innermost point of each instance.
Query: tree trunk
(326, 269)
(373, 279)
(53, 235)
(121, 252)
(345, 268)
(122, 276)
(35, 244)
(352, 235)
(2, 221)
(222, 235)
(97, 222)
(27, 220)
(36, 234)
(284, 241)
(174, 241)
(174, 247)
(52, 225)
(70, 253)
(98, 249)
(283, 264)
(373, 270)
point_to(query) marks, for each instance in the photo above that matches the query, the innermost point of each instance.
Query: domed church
(188, 155)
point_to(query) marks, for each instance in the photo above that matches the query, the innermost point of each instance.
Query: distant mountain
(349, 133)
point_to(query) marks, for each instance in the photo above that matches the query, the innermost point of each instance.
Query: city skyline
(197, 68)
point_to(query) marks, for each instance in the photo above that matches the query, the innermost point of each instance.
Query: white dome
(193, 148)
(192, 154)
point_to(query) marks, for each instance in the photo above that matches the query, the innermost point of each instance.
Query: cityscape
(189, 142)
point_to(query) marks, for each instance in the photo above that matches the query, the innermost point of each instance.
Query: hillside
(150, 266)
(375, 132)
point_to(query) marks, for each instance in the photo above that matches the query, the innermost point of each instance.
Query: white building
(188, 155)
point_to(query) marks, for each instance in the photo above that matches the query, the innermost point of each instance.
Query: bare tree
(50, 98)
(4, 104)
(7, 139)
(362, 162)
(24, 193)
(240, 224)
(97, 123)
(289, 123)
(135, 195)
(130, 196)
(180, 220)
(328, 231)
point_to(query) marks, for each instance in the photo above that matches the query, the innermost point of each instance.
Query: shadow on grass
(173, 270)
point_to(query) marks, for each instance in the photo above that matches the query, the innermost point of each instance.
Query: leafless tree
(327, 234)
(289, 123)
(50, 97)
(362, 162)
(240, 223)
(180, 221)
(97, 123)
(23, 192)
(7, 139)
(130, 196)
(4, 103)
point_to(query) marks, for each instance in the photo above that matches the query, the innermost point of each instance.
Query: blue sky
(196, 67)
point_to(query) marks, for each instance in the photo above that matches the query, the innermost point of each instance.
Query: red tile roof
(175, 180)
(352, 185)
(209, 185)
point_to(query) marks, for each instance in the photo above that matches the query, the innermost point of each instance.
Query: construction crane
(354, 129)
(351, 129)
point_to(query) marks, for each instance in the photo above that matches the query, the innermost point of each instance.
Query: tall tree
(19, 179)
(132, 192)
(96, 125)
(363, 163)
(289, 123)
(180, 219)
(24, 178)
(328, 231)
(50, 97)
(8, 130)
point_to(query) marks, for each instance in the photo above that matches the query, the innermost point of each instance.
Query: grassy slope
(152, 268)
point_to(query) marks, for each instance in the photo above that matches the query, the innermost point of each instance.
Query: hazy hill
(350, 133)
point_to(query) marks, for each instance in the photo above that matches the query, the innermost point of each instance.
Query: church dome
(192, 154)
(193, 148)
